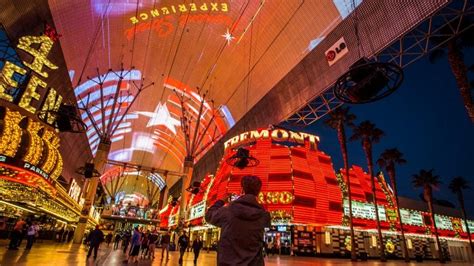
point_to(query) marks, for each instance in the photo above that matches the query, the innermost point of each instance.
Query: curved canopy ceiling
(235, 50)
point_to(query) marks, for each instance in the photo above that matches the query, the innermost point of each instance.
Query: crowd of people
(241, 220)
(30, 230)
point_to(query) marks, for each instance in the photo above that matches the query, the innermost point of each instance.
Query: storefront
(31, 163)
(308, 202)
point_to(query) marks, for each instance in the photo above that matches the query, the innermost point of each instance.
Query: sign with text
(197, 210)
(443, 222)
(336, 51)
(364, 210)
(411, 217)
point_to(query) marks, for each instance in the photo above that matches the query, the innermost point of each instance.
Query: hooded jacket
(242, 224)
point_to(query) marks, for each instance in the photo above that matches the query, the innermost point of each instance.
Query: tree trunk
(459, 69)
(367, 146)
(430, 207)
(391, 174)
(464, 217)
(341, 135)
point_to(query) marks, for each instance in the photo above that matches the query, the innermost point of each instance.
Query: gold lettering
(165, 11)
(227, 144)
(51, 140)
(155, 13)
(35, 149)
(234, 140)
(40, 55)
(6, 79)
(51, 103)
(134, 20)
(12, 132)
(30, 93)
(203, 7)
(244, 136)
(214, 7)
(254, 134)
(297, 137)
(312, 140)
(283, 136)
(182, 8)
(173, 8)
(144, 16)
(193, 7)
(224, 7)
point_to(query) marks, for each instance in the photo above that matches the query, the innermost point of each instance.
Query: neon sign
(280, 135)
(39, 48)
(197, 210)
(181, 8)
(275, 197)
(364, 210)
(40, 154)
(164, 26)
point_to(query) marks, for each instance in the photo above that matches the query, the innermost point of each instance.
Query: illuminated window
(327, 238)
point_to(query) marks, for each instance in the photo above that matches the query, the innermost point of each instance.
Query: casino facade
(305, 197)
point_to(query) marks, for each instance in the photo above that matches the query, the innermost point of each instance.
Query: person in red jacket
(242, 223)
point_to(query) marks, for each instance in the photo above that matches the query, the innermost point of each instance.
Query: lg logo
(336, 52)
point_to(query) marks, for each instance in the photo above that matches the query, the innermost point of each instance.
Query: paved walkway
(54, 254)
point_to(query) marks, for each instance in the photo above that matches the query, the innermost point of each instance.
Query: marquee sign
(278, 135)
(443, 222)
(197, 210)
(411, 217)
(27, 144)
(364, 210)
(38, 47)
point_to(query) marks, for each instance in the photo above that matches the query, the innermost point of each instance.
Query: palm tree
(388, 159)
(427, 180)
(369, 134)
(453, 48)
(338, 120)
(457, 185)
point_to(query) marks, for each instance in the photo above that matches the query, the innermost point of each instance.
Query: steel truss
(444, 25)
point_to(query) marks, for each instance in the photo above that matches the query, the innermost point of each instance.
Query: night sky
(426, 120)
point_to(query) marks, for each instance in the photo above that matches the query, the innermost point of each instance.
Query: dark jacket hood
(247, 208)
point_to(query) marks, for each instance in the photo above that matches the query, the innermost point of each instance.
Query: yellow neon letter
(51, 103)
(40, 55)
(6, 79)
(30, 93)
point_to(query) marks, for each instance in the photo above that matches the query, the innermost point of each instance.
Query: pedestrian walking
(126, 241)
(152, 239)
(197, 246)
(31, 234)
(144, 244)
(165, 245)
(117, 240)
(95, 238)
(108, 238)
(183, 242)
(16, 234)
(136, 243)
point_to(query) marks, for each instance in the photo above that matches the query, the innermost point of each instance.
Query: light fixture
(194, 188)
(368, 81)
(88, 171)
(65, 119)
(242, 159)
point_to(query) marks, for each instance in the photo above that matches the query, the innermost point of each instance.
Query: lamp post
(105, 125)
(195, 129)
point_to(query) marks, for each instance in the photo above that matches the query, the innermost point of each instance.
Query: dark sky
(426, 120)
